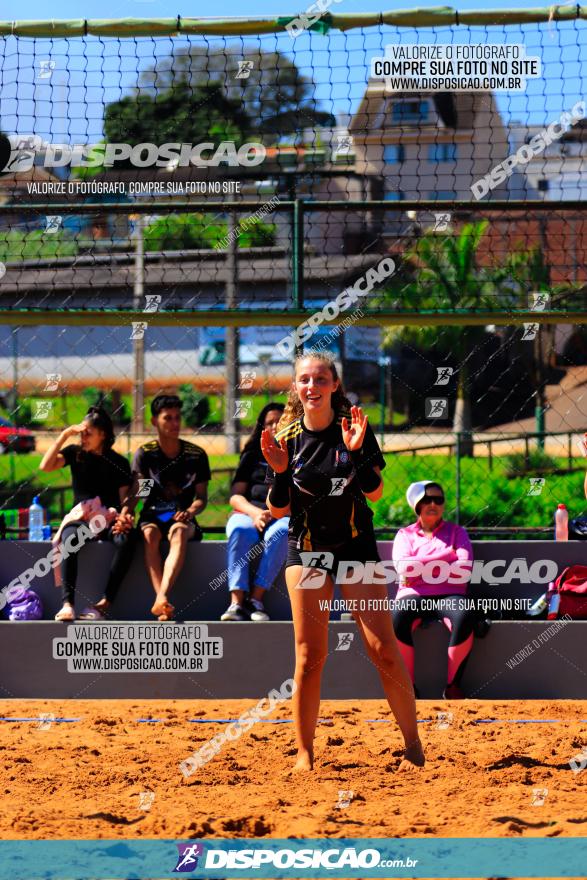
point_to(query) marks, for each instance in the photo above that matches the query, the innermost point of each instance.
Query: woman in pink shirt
(433, 559)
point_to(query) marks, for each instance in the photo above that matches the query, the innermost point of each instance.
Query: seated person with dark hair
(251, 524)
(98, 473)
(171, 475)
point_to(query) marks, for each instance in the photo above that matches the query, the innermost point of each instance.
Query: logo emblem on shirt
(338, 485)
(297, 463)
(342, 456)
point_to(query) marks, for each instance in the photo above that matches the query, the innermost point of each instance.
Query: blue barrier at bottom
(269, 858)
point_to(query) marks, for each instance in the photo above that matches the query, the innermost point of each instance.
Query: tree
(445, 277)
(179, 114)
(276, 98)
(196, 407)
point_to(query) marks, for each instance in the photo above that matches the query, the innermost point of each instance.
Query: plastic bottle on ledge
(554, 600)
(36, 520)
(561, 523)
(540, 605)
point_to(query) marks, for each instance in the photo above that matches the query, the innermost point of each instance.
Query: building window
(393, 153)
(409, 112)
(394, 196)
(543, 185)
(442, 194)
(442, 152)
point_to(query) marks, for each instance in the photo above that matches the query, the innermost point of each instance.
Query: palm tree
(446, 277)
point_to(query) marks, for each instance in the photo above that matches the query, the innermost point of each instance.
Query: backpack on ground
(24, 605)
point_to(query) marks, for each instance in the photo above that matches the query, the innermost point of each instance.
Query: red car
(13, 439)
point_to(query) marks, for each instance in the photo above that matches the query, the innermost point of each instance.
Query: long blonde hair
(294, 407)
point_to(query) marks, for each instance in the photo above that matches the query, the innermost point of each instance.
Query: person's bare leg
(153, 563)
(311, 642)
(179, 535)
(376, 629)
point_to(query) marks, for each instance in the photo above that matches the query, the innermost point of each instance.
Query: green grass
(488, 497)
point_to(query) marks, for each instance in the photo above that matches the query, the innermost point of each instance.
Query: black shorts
(165, 525)
(363, 549)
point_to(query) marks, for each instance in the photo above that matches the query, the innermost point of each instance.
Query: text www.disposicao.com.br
(135, 664)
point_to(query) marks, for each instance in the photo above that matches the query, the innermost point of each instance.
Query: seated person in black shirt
(173, 477)
(252, 523)
(96, 470)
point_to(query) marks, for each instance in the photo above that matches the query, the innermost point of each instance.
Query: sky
(68, 106)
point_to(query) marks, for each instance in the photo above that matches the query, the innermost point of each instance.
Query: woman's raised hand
(74, 429)
(275, 455)
(354, 434)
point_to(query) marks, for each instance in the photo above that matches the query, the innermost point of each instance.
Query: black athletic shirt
(100, 475)
(328, 507)
(252, 470)
(175, 479)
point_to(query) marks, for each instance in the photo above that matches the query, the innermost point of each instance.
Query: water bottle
(539, 606)
(561, 523)
(36, 520)
(554, 601)
(544, 602)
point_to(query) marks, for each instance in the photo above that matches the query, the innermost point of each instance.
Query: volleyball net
(187, 203)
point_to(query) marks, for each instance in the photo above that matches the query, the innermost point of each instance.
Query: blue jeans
(245, 544)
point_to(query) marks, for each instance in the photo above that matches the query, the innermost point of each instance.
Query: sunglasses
(432, 499)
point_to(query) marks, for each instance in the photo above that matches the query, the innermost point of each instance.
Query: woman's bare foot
(413, 757)
(66, 613)
(162, 609)
(305, 761)
(103, 605)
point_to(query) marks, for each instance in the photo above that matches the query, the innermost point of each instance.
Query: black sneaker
(256, 610)
(234, 612)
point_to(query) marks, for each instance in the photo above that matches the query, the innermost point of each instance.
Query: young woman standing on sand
(324, 462)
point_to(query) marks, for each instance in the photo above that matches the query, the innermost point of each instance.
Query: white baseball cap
(416, 492)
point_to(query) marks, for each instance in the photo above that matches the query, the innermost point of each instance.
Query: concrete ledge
(196, 599)
(260, 656)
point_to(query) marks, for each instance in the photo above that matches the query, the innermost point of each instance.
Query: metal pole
(384, 362)
(138, 344)
(389, 395)
(231, 352)
(297, 256)
(381, 401)
(540, 395)
(14, 371)
(458, 477)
